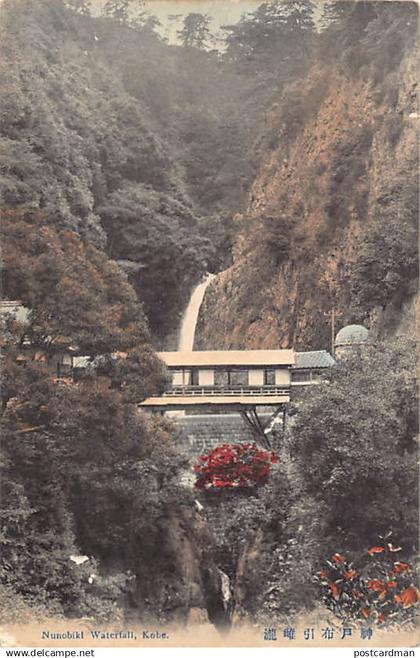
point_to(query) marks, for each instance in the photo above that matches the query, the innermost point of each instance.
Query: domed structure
(350, 338)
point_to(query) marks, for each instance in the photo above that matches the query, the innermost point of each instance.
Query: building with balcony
(220, 380)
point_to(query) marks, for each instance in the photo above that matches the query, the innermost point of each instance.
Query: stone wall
(199, 434)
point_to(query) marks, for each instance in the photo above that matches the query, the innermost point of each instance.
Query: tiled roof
(315, 359)
(228, 358)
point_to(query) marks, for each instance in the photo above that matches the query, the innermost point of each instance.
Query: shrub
(238, 465)
(383, 591)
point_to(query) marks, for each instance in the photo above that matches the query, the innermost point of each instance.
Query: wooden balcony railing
(227, 390)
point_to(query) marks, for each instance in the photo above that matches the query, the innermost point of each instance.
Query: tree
(354, 443)
(335, 12)
(138, 373)
(368, 34)
(37, 533)
(385, 267)
(195, 32)
(77, 296)
(35, 556)
(273, 30)
(146, 23)
(120, 9)
(83, 471)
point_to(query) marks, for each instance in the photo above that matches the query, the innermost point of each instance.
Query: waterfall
(190, 318)
(186, 344)
(188, 326)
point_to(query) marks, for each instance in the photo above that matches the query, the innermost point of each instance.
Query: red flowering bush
(237, 465)
(386, 591)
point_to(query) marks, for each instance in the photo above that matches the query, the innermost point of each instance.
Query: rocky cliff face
(339, 166)
(186, 586)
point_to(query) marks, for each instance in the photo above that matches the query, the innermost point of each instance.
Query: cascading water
(190, 318)
(186, 344)
(188, 327)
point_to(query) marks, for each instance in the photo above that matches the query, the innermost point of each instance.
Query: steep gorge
(103, 128)
(331, 218)
(104, 148)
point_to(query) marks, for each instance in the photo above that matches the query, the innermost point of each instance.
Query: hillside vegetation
(91, 197)
(83, 142)
(286, 163)
(332, 214)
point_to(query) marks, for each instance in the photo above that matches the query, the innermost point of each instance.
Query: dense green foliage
(385, 270)
(144, 149)
(347, 473)
(274, 33)
(76, 295)
(122, 163)
(163, 248)
(354, 438)
(82, 472)
(78, 147)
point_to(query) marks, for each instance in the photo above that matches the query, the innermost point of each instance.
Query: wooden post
(333, 314)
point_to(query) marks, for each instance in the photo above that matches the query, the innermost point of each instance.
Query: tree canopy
(76, 295)
(195, 31)
(353, 439)
(69, 451)
(272, 33)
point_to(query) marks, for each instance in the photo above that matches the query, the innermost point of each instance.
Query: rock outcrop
(187, 585)
(349, 166)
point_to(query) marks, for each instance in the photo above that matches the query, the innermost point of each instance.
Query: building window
(235, 377)
(206, 377)
(238, 378)
(194, 376)
(301, 375)
(180, 377)
(269, 377)
(221, 378)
